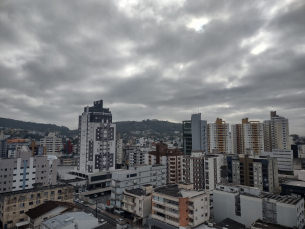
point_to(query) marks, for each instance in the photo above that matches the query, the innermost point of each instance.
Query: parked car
(86, 205)
(81, 202)
(119, 220)
(95, 195)
(98, 210)
(101, 221)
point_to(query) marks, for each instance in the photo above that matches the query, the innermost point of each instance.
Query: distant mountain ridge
(122, 127)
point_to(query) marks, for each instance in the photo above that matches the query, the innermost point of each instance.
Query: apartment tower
(97, 139)
(276, 133)
(219, 137)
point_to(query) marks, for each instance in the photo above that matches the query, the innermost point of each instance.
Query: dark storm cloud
(151, 59)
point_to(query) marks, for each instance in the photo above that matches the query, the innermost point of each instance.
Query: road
(99, 215)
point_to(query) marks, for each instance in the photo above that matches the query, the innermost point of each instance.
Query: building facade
(135, 177)
(219, 137)
(53, 144)
(195, 134)
(23, 171)
(179, 206)
(284, 158)
(15, 204)
(203, 171)
(137, 202)
(276, 133)
(97, 139)
(247, 204)
(254, 171)
(119, 150)
(171, 158)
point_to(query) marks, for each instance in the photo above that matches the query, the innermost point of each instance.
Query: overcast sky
(153, 59)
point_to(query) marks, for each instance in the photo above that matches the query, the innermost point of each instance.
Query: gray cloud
(151, 59)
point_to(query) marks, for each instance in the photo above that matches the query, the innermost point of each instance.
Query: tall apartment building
(53, 144)
(24, 171)
(171, 158)
(247, 204)
(119, 150)
(203, 171)
(248, 137)
(276, 133)
(15, 204)
(3, 145)
(254, 171)
(284, 158)
(97, 139)
(237, 136)
(135, 177)
(178, 206)
(195, 134)
(219, 137)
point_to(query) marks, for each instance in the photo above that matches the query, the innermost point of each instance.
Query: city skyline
(153, 60)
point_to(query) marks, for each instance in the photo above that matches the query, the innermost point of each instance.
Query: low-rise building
(53, 143)
(137, 203)
(135, 177)
(247, 204)
(47, 210)
(175, 206)
(71, 220)
(13, 205)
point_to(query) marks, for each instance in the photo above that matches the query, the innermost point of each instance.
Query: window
(21, 212)
(38, 202)
(31, 203)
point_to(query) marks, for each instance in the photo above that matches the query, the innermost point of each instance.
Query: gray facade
(135, 177)
(199, 133)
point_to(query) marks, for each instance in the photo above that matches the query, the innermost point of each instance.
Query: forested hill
(41, 127)
(154, 125)
(122, 127)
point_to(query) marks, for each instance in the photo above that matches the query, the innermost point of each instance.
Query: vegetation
(156, 126)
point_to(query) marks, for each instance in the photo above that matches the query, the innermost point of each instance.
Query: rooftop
(61, 221)
(294, 183)
(264, 225)
(137, 191)
(174, 191)
(46, 207)
(230, 224)
(35, 189)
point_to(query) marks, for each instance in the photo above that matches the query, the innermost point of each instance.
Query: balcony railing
(158, 217)
(158, 209)
(173, 214)
(176, 207)
(172, 222)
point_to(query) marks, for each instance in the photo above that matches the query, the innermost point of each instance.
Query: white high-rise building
(276, 133)
(53, 143)
(97, 139)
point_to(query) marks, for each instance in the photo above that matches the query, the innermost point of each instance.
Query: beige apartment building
(179, 206)
(13, 205)
(172, 158)
(137, 203)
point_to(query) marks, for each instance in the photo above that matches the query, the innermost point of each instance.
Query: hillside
(161, 127)
(41, 127)
(154, 125)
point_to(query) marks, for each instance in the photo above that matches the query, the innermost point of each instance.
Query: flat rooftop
(136, 191)
(265, 225)
(295, 183)
(174, 191)
(62, 220)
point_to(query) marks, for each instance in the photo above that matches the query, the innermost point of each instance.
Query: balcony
(158, 217)
(191, 224)
(191, 216)
(173, 214)
(176, 224)
(158, 209)
(176, 207)
(128, 202)
(191, 207)
(158, 202)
